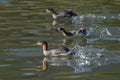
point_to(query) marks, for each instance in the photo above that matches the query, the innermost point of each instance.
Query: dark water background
(23, 23)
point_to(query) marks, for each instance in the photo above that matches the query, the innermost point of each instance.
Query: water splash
(99, 32)
(87, 52)
(78, 20)
(104, 32)
(88, 57)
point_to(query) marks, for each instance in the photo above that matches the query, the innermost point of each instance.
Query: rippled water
(23, 23)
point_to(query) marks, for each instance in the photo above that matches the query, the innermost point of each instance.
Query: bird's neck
(65, 33)
(54, 12)
(55, 15)
(45, 47)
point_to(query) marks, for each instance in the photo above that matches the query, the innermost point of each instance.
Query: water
(23, 23)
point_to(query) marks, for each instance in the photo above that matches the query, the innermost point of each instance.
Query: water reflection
(85, 60)
(56, 23)
(22, 23)
(82, 41)
(93, 31)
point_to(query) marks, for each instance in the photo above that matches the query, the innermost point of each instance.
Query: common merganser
(62, 14)
(81, 31)
(61, 51)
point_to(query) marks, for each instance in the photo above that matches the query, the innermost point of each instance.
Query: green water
(23, 23)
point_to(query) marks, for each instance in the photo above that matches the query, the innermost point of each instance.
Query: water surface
(23, 23)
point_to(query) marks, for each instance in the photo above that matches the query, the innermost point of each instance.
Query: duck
(61, 51)
(62, 14)
(81, 31)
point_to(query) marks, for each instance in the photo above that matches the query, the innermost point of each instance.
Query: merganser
(62, 14)
(81, 31)
(61, 51)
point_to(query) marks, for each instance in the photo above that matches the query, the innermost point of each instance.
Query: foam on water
(88, 57)
(94, 17)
